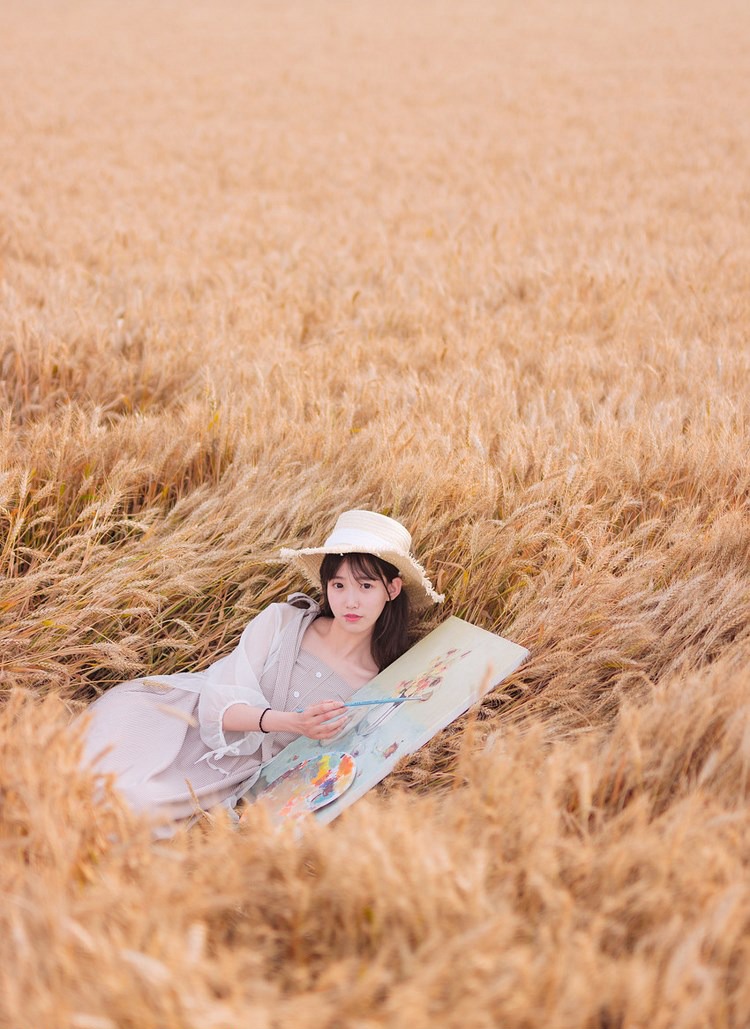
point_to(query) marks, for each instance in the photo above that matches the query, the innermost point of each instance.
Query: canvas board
(450, 666)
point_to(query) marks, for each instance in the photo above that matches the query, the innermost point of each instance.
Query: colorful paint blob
(309, 786)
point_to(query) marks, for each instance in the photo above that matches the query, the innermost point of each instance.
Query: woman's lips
(352, 618)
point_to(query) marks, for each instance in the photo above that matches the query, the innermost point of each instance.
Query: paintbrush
(385, 700)
(380, 700)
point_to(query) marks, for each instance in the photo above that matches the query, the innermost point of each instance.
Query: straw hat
(365, 532)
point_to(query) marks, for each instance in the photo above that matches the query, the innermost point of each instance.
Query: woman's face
(357, 602)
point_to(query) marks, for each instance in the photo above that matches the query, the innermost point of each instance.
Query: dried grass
(481, 267)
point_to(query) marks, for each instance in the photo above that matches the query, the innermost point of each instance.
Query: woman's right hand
(321, 721)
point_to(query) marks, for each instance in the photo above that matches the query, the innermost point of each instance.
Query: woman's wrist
(243, 718)
(278, 721)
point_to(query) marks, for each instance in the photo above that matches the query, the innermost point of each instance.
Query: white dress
(162, 735)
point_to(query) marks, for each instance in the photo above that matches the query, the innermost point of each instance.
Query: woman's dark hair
(390, 637)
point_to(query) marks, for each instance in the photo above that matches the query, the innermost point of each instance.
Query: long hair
(390, 636)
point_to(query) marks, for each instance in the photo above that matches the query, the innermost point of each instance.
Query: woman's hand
(321, 721)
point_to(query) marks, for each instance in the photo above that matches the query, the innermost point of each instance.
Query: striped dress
(162, 735)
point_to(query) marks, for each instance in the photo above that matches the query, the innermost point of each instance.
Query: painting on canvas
(435, 681)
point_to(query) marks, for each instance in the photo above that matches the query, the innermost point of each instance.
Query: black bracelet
(260, 720)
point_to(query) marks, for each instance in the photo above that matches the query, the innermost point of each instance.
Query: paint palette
(309, 786)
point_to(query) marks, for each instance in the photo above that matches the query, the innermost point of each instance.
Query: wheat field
(482, 266)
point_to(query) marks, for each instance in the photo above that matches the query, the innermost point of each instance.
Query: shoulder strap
(302, 601)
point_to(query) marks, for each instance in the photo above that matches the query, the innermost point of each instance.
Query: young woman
(193, 740)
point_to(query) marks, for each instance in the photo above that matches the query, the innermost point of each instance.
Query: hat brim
(418, 587)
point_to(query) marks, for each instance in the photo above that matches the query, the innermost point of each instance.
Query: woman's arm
(319, 722)
(233, 682)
